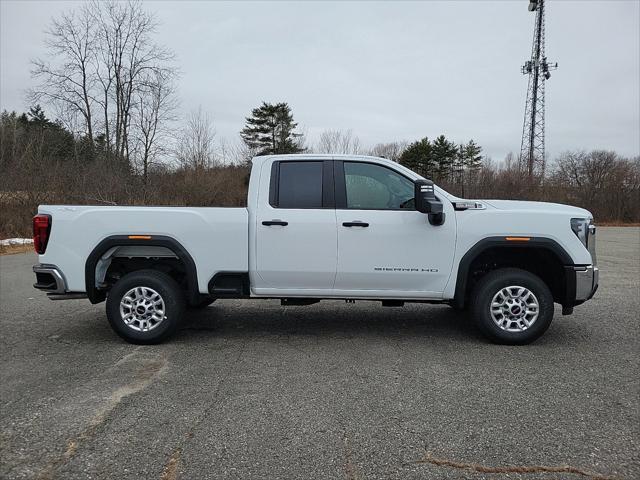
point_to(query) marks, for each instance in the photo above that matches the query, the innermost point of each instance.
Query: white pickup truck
(323, 227)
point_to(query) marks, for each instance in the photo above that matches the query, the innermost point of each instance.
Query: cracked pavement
(250, 389)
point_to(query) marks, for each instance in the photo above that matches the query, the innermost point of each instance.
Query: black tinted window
(300, 185)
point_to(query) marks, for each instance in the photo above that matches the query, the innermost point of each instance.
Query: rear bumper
(49, 278)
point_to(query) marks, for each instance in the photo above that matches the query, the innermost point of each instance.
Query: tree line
(41, 161)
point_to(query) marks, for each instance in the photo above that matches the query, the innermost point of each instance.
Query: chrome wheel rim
(514, 309)
(142, 309)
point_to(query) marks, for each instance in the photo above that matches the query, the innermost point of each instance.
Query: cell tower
(538, 69)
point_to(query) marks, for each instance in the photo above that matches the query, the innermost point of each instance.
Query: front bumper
(586, 282)
(582, 283)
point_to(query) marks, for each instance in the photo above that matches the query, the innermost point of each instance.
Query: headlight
(585, 230)
(580, 227)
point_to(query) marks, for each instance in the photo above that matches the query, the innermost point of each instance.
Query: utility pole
(538, 68)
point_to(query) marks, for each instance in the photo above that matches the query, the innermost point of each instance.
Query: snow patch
(15, 241)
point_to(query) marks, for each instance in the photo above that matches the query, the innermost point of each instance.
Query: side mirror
(426, 201)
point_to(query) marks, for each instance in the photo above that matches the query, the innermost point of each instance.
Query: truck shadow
(258, 319)
(247, 320)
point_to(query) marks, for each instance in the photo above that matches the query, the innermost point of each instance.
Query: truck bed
(216, 238)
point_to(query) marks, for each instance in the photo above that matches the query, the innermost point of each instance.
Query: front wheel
(145, 307)
(512, 306)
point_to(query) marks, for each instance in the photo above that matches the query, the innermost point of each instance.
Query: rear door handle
(355, 224)
(268, 223)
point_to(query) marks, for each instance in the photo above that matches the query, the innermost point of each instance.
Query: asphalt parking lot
(251, 389)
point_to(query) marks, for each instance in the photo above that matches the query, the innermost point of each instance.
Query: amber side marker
(139, 237)
(517, 239)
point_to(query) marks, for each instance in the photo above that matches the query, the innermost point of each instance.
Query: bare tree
(129, 58)
(67, 79)
(337, 141)
(101, 59)
(602, 181)
(391, 150)
(154, 106)
(196, 146)
(233, 153)
(300, 140)
(240, 154)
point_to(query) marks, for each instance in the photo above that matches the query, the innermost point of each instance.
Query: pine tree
(472, 156)
(444, 155)
(270, 130)
(458, 166)
(468, 162)
(37, 117)
(418, 156)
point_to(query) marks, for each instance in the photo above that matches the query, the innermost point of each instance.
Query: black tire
(169, 291)
(490, 285)
(202, 304)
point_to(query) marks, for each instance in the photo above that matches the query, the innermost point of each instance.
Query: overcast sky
(387, 70)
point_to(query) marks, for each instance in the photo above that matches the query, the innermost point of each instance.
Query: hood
(538, 207)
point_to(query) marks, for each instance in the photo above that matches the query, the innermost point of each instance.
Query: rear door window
(300, 185)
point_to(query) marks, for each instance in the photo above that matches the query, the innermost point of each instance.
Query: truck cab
(345, 228)
(324, 227)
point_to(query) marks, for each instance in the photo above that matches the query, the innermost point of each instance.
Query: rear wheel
(512, 306)
(145, 307)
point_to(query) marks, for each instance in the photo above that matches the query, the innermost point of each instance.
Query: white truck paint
(388, 251)
(77, 230)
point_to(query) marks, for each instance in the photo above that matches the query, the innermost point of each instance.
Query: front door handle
(355, 224)
(268, 223)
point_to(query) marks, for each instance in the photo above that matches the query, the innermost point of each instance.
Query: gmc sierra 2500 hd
(323, 227)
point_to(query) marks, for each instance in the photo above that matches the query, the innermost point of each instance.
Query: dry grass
(170, 471)
(617, 224)
(13, 249)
